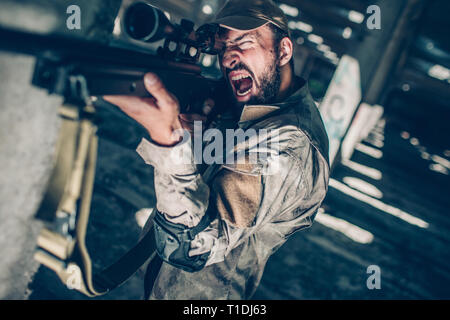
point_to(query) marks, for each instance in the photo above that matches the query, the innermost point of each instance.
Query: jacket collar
(251, 113)
(308, 116)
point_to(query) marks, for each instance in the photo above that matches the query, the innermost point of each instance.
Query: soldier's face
(251, 65)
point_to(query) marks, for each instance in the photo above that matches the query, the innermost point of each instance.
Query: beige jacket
(258, 203)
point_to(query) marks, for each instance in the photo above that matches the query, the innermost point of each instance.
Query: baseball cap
(250, 14)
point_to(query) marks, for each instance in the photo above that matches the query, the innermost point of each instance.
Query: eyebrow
(245, 35)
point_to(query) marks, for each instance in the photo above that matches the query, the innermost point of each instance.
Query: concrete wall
(28, 132)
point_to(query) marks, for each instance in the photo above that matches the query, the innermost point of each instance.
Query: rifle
(79, 71)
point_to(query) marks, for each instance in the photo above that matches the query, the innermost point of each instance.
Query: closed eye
(245, 44)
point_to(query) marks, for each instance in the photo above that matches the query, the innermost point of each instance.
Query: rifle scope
(146, 23)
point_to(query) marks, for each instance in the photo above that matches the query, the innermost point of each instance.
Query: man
(216, 229)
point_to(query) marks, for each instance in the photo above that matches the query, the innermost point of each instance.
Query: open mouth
(242, 84)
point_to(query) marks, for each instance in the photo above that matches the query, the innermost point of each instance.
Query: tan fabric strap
(67, 202)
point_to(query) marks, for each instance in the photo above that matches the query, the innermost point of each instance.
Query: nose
(230, 59)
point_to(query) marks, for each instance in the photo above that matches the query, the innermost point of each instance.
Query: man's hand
(159, 115)
(188, 119)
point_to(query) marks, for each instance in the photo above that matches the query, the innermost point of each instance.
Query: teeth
(239, 77)
(243, 93)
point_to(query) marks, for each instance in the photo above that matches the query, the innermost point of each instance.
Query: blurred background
(379, 72)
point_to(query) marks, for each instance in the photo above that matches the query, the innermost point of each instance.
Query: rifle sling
(68, 198)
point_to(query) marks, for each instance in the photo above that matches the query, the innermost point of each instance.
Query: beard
(269, 87)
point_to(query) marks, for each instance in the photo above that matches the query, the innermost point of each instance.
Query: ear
(286, 51)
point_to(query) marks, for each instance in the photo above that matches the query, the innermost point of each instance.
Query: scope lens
(141, 21)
